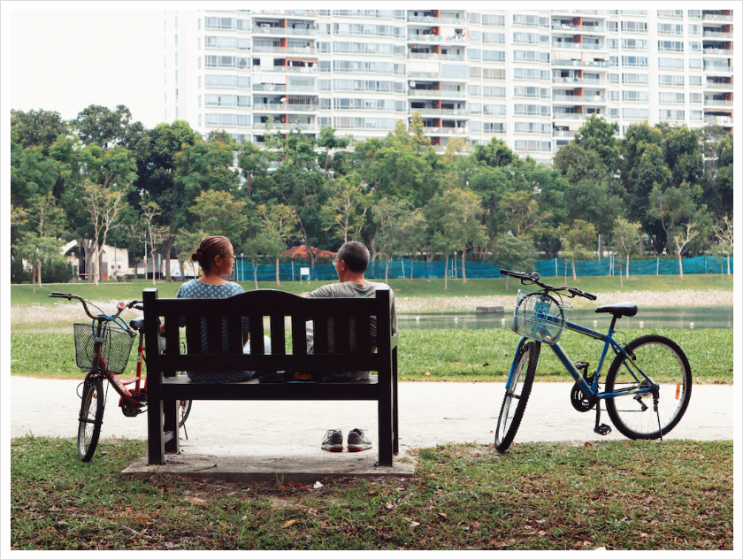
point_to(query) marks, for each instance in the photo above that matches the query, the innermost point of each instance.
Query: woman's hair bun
(197, 256)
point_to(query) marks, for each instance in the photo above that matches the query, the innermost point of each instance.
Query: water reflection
(648, 318)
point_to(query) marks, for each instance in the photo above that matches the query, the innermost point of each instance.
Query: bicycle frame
(119, 386)
(609, 342)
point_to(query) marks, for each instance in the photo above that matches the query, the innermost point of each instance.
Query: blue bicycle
(647, 387)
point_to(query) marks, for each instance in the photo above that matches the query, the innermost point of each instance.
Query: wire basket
(539, 316)
(116, 345)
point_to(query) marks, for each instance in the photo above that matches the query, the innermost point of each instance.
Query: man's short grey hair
(356, 256)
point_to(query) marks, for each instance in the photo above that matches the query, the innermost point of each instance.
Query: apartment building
(530, 77)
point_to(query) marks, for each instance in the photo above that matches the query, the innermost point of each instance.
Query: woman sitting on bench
(216, 257)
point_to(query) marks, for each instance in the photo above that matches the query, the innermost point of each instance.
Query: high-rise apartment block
(530, 77)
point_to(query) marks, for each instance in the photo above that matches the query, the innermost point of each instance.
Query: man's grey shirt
(349, 289)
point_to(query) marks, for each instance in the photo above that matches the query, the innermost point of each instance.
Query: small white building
(113, 261)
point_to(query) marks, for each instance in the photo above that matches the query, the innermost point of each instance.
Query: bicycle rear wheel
(665, 363)
(184, 409)
(91, 418)
(517, 395)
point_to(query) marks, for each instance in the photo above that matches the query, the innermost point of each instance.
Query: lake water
(651, 317)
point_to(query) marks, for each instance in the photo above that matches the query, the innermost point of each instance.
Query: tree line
(103, 179)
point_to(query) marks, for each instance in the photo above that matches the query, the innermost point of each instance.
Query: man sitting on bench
(350, 265)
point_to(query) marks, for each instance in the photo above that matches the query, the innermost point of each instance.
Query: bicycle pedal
(602, 429)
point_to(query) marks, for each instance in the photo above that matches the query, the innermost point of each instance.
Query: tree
(514, 253)
(331, 143)
(346, 206)
(251, 161)
(37, 128)
(399, 229)
(154, 232)
(268, 242)
(187, 242)
(420, 142)
(100, 125)
(36, 250)
(671, 207)
(682, 237)
(626, 237)
(495, 153)
(578, 241)
(599, 136)
(723, 231)
(281, 223)
(219, 213)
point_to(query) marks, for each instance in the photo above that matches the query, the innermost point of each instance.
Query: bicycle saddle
(624, 309)
(138, 324)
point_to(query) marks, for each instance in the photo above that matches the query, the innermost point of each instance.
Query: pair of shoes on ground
(357, 441)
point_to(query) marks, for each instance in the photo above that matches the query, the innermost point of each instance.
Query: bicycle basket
(116, 344)
(539, 316)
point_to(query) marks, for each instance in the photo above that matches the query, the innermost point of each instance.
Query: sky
(66, 60)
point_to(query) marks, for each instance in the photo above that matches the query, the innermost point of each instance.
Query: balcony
(717, 35)
(301, 13)
(441, 112)
(581, 63)
(578, 28)
(423, 75)
(431, 19)
(716, 17)
(287, 126)
(718, 85)
(585, 81)
(579, 99)
(437, 93)
(718, 103)
(581, 46)
(435, 56)
(724, 121)
(290, 69)
(718, 52)
(718, 68)
(429, 38)
(285, 50)
(283, 108)
(267, 30)
(563, 133)
(570, 116)
(436, 130)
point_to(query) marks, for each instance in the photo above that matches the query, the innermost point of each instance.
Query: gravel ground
(64, 311)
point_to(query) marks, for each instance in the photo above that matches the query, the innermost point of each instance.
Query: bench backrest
(277, 306)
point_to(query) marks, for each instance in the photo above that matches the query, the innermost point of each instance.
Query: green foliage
(37, 128)
(598, 135)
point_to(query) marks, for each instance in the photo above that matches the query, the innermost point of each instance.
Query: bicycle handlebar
(534, 277)
(132, 304)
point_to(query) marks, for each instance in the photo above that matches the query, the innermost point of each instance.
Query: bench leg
(170, 424)
(155, 447)
(385, 417)
(395, 423)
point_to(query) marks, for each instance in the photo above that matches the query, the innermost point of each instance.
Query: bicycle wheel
(665, 363)
(91, 418)
(184, 409)
(519, 390)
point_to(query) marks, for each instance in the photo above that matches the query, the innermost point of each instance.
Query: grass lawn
(624, 495)
(23, 294)
(428, 355)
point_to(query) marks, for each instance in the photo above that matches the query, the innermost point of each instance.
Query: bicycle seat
(619, 310)
(138, 324)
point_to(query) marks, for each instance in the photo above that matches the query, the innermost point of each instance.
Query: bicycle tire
(91, 419)
(184, 408)
(520, 389)
(664, 362)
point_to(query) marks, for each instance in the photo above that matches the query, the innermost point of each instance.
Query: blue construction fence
(246, 270)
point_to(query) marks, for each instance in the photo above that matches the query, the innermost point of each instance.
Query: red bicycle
(102, 348)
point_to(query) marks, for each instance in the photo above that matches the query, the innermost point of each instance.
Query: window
(531, 91)
(670, 97)
(198, 24)
(613, 112)
(695, 63)
(379, 123)
(670, 46)
(199, 104)
(671, 63)
(697, 115)
(176, 76)
(475, 108)
(176, 112)
(224, 119)
(695, 29)
(494, 110)
(165, 97)
(531, 56)
(637, 61)
(612, 44)
(223, 81)
(532, 128)
(635, 44)
(613, 61)
(673, 81)
(475, 126)
(494, 128)
(523, 109)
(613, 78)
(227, 100)
(695, 81)
(695, 46)
(493, 56)
(199, 81)
(670, 29)
(613, 95)
(635, 113)
(165, 60)
(491, 73)
(176, 58)
(635, 26)
(324, 85)
(199, 119)
(532, 74)
(474, 54)
(493, 20)
(532, 146)
(494, 38)
(634, 78)
(476, 71)
(474, 90)
(494, 91)
(531, 38)
(176, 39)
(612, 26)
(216, 61)
(176, 22)
(672, 114)
(696, 98)
(636, 96)
(671, 13)
(694, 14)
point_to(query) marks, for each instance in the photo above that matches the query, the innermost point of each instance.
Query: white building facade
(530, 77)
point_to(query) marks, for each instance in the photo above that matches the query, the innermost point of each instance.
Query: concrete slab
(251, 462)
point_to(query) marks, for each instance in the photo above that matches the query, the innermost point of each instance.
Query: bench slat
(226, 362)
(235, 334)
(299, 335)
(363, 334)
(256, 335)
(321, 333)
(193, 335)
(172, 341)
(214, 334)
(342, 335)
(270, 391)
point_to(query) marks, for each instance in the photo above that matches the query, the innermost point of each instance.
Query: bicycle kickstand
(601, 429)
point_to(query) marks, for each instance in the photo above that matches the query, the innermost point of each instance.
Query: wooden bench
(164, 389)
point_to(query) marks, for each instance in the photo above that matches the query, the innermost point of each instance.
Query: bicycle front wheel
(664, 362)
(517, 395)
(91, 418)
